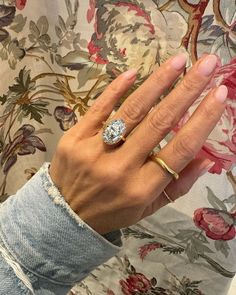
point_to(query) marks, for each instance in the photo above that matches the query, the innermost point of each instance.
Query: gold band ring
(168, 197)
(161, 163)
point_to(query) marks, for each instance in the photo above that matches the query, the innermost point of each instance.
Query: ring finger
(183, 147)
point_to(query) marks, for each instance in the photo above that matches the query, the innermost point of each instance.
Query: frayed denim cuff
(48, 238)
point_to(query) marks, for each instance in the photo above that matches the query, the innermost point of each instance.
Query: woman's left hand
(111, 187)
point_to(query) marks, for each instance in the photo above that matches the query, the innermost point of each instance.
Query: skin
(112, 187)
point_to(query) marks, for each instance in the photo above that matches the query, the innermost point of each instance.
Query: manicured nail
(221, 93)
(204, 54)
(206, 167)
(179, 61)
(130, 74)
(208, 65)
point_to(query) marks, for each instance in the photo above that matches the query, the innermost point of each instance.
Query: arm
(45, 247)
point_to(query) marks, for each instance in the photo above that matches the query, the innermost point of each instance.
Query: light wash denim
(45, 248)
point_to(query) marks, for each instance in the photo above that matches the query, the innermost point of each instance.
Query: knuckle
(162, 120)
(114, 88)
(208, 112)
(160, 77)
(184, 147)
(133, 111)
(112, 174)
(97, 107)
(190, 85)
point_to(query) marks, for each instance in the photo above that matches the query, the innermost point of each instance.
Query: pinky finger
(181, 187)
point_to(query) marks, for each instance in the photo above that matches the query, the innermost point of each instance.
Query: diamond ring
(114, 131)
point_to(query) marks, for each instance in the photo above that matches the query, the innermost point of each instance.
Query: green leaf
(185, 235)
(19, 23)
(62, 24)
(3, 99)
(136, 233)
(23, 82)
(200, 247)
(88, 73)
(223, 247)
(191, 252)
(214, 201)
(230, 200)
(173, 250)
(34, 29)
(36, 110)
(43, 25)
(59, 32)
(69, 7)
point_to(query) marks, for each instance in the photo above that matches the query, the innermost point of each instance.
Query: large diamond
(113, 131)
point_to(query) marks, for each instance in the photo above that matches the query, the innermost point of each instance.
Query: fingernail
(207, 65)
(221, 93)
(130, 74)
(179, 61)
(206, 167)
(204, 54)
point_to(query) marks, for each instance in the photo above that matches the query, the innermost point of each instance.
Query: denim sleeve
(45, 248)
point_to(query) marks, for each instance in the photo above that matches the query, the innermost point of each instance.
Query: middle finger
(169, 111)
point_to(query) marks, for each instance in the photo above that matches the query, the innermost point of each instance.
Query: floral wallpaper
(54, 65)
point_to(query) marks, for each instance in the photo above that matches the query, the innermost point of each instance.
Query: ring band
(168, 197)
(161, 163)
(114, 132)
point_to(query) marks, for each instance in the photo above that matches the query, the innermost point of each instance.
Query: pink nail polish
(221, 93)
(179, 61)
(207, 65)
(130, 74)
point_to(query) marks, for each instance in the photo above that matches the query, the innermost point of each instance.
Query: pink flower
(220, 146)
(218, 225)
(144, 250)
(20, 4)
(135, 283)
(128, 34)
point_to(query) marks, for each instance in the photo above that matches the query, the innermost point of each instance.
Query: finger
(184, 146)
(166, 115)
(176, 189)
(92, 122)
(139, 103)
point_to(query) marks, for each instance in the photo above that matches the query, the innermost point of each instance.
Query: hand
(114, 187)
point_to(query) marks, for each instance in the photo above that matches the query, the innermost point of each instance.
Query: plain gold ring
(162, 164)
(167, 196)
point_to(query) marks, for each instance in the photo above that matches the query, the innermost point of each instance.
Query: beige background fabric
(56, 57)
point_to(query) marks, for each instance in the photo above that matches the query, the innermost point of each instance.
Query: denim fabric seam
(11, 272)
(2, 236)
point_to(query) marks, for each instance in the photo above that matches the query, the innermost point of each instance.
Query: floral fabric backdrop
(57, 57)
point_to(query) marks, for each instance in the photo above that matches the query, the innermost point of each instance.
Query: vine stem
(41, 58)
(40, 76)
(220, 19)
(166, 5)
(3, 186)
(44, 91)
(213, 263)
(195, 12)
(11, 123)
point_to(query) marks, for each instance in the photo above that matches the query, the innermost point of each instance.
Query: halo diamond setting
(114, 131)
